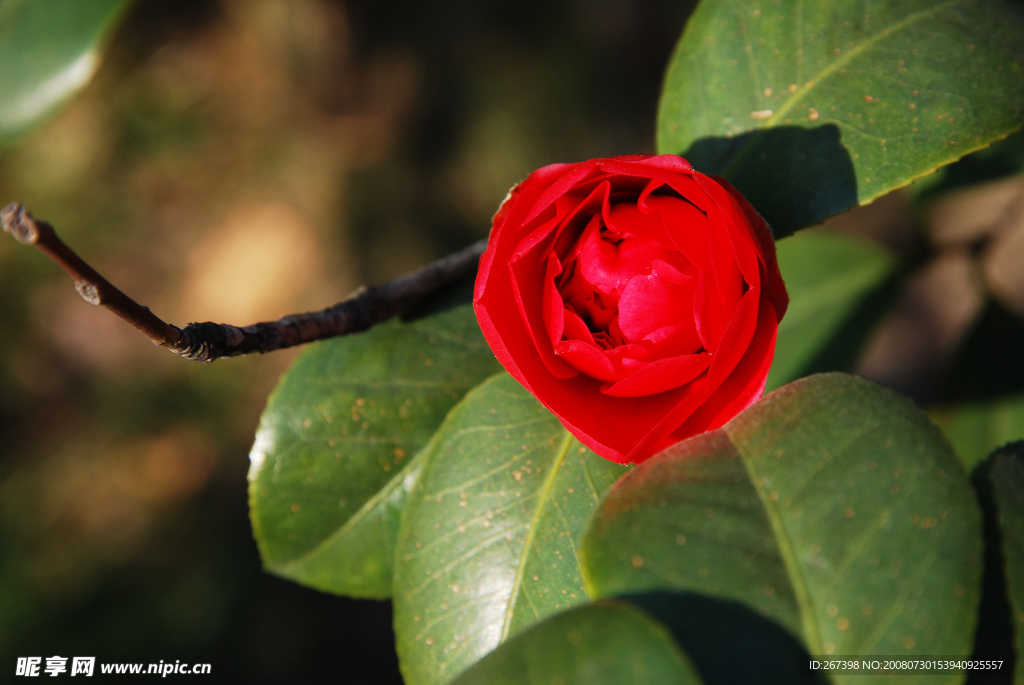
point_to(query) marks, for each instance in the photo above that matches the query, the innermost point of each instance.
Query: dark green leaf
(1002, 159)
(606, 643)
(770, 654)
(1007, 481)
(995, 636)
(978, 428)
(811, 108)
(833, 507)
(488, 543)
(49, 49)
(828, 276)
(334, 455)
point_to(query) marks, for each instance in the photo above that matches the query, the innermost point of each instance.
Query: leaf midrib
(822, 75)
(787, 552)
(531, 529)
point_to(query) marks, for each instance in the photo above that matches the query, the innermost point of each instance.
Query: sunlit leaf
(811, 108)
(488, 543)
(49, 49)
(334, 457)
(832, 507)
(606, 643)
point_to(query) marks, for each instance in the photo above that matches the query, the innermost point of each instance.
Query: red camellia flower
(636, 298)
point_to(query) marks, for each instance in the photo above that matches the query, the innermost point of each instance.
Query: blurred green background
(237, 160)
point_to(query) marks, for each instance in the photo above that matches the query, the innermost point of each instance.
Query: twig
(207, 341)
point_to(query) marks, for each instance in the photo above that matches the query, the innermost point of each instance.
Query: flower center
(629, 289)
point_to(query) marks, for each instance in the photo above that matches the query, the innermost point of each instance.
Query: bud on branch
(364, 308)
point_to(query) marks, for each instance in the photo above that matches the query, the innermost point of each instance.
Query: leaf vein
(531, 531)
(806, 87)
(786, 550)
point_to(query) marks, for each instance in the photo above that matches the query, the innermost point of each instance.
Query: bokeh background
(237, 160)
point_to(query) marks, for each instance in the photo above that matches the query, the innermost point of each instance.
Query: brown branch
(205, 342)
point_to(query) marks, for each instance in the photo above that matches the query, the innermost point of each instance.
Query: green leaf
(976, 429)
(605, 643)
(334, 459)
(1006, 479)
(49, 49)
(829, 276)
(488, 542)
(1001, 159)
(771, 655)
(811, 108)
(833, 507)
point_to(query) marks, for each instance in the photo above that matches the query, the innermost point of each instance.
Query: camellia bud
(638, 299)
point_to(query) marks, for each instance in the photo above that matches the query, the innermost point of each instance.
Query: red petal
(571, 175)
(745, 248)
(650, 304)
(527, 286)
(736, 339)
(493, 290)
(575, 328)
(774, 288)
(661, 375)
(728, 279)
(745, 385)
(688, 399)
(512, 314)
(627, 359)
(587, 358)
(684, 226)
(554, 308)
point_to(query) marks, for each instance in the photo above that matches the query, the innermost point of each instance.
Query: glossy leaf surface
(488, 543)
(49, 49)
(334, 457)
(832, 507)
(810, 108)
(606, 643)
